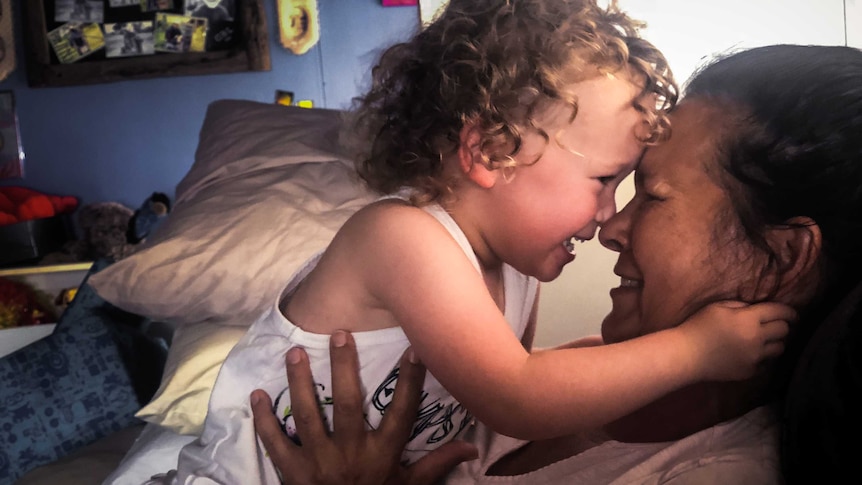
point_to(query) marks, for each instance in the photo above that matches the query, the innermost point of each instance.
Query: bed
(124, 379)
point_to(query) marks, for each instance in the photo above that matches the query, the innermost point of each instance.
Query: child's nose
(607, 208)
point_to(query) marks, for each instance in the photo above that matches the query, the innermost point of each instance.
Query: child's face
(569, 192)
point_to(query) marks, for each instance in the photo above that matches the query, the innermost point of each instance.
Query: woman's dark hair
(795, 149)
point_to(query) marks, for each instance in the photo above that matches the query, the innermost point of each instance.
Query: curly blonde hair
(494, 64)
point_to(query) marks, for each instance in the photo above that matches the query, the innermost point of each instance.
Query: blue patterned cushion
(64, 391)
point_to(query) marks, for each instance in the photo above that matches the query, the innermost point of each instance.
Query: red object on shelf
(20, 204)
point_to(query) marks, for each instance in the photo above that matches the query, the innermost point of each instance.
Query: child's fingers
(401, 412)
(775, 330)
(303, 399)
(732, 304)
(773, 349)
(348, 420)
(775, 311)
(275, 442)
(766, 311)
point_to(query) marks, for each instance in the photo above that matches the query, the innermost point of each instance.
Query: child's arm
(417, 272)
(588, 341)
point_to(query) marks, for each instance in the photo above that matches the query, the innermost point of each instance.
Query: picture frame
(11, 153)
(7, 40)
(251, 53)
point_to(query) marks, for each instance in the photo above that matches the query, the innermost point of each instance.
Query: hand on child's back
(733, 338)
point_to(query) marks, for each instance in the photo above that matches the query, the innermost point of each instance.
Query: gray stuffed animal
(103, 228)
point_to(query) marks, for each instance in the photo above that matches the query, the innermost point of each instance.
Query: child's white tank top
(256, 362)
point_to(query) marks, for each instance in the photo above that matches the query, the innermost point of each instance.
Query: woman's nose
(614, 232)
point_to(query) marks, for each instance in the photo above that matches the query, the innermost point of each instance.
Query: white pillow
(195, 357)
(268, 189)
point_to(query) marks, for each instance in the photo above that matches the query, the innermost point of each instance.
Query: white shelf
(54, 268)
(51, 279)
(12, 339)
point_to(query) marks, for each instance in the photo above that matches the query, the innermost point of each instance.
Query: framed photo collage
(106, 29)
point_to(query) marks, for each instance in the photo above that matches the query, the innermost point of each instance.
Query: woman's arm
(351, 454)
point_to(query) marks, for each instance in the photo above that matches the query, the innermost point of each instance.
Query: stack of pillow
(269, 187)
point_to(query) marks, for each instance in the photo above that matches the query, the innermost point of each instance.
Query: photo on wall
(76, 40)
(11, 153)
(126, 39)
(178, 33)
(79, 11)
(220, 15)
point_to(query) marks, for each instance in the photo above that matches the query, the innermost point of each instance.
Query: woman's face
(677, 238)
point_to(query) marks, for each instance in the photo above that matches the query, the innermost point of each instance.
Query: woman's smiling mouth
(629, 283)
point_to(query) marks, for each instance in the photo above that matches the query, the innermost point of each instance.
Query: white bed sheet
(154, 452)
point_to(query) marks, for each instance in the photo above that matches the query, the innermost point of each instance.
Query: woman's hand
(350, 454)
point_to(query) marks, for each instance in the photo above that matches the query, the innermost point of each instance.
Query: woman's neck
(671, 418)
(686, 412)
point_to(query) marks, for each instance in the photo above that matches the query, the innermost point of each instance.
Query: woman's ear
(797, 245)
(470, 158)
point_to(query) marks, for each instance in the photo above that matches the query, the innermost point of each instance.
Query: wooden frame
(252, 55)
(11, 153)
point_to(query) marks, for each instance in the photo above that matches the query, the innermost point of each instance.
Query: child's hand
(732, 338)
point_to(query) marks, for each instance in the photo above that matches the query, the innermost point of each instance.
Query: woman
(756, 196)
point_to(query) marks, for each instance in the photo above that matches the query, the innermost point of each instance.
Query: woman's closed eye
(646, 196)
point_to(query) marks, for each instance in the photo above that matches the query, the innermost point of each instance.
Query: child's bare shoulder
(391, 217)
(391, 228)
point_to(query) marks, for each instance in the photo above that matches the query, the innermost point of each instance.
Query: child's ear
(470, 159)
(797, 245)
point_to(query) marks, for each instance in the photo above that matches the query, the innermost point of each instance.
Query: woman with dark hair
(756, 196)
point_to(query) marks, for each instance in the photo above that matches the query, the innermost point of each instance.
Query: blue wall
(122, 141)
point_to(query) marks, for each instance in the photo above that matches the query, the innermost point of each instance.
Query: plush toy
(102, 230)
(19, 204)
(147, 218)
